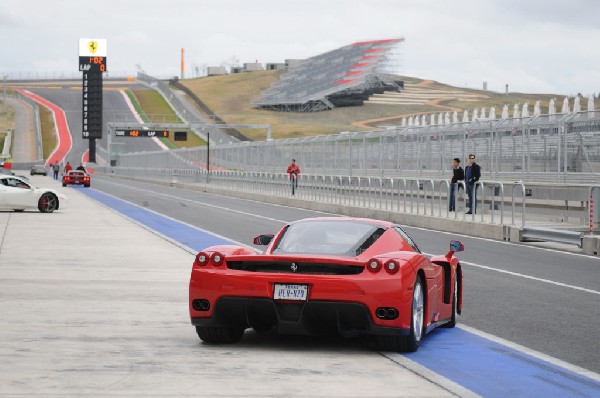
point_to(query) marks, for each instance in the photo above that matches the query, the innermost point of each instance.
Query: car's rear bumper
(75, 183)
(311, 317)
(350, 296)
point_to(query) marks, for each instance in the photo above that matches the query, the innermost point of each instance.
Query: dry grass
(7, 122)
(231, 96)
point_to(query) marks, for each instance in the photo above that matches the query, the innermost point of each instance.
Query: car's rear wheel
(220, 335)
(87, 186)
(411, 342)
(454, 319)
(48, 203)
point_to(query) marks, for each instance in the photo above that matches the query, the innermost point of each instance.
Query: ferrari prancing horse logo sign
(93, 46)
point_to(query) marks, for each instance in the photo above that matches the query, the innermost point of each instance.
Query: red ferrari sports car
(76, 177)
(345, 275)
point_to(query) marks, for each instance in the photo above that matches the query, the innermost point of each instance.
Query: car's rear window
(343, 238)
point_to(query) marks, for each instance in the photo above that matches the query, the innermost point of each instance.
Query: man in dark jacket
(472, 175)
(457, 175)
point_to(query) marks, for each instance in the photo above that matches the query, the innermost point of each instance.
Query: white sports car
(17, 194)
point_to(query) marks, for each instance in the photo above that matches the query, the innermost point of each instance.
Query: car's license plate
(290, 292)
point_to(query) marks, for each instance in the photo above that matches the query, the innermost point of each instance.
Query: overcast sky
(537, 46)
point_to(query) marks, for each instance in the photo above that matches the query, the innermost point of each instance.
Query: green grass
(49, 139)
(152, 107)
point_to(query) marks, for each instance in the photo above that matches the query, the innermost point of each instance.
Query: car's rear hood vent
(296, 267)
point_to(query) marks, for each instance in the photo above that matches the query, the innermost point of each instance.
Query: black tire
(454, 319)
(48, 202)
(220, 335)
(411, 342)
(64, 185)
(87, 186)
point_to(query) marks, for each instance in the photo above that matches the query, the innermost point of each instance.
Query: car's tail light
(392, 267)
(217, 258)
(202, 259)
(374, 265)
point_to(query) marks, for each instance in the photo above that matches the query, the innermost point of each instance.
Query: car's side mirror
(457, 246)
(263, 240)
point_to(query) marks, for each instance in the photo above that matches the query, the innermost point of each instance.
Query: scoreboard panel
(142, 133)
(92, 62)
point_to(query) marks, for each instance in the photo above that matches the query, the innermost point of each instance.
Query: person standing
(458, 174)
(81, 168)
(293, 170)
(472, 175)
(68, 168)
(55, 170)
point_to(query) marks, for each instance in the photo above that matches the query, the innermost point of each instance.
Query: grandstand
(346, 76)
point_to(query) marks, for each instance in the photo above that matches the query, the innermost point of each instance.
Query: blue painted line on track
(173, 229)
(491, 369)
(483, 366)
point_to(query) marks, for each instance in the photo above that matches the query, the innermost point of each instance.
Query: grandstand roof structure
(343, 77)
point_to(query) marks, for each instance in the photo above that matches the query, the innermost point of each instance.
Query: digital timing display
(92, 64)
(142, 133)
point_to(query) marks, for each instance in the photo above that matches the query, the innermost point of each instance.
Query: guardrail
(547, 234)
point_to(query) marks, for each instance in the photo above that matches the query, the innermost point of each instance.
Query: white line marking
(199, 203)
(533, 353)
(181, 245)
(520, 244)
(583, 289)
(502, 271)
(428, 254)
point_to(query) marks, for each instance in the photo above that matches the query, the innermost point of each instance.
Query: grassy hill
(230, 97)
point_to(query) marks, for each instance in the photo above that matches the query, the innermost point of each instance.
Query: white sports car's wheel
(48, 202)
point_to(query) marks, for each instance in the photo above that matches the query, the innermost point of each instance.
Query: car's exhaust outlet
(201, 305)
(391, 313)
(386, 313)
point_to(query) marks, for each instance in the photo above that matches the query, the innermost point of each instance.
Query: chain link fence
(547, 148)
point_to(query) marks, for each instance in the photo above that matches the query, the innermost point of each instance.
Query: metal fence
(546, 148)
(497, 202)
(516, 204)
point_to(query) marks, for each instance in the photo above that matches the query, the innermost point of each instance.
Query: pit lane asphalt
(556, 319)
(95, 305)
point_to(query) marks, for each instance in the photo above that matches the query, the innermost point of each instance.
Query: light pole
(4, 99)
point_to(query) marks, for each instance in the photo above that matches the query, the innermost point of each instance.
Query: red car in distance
(76, 177)
(343, 275)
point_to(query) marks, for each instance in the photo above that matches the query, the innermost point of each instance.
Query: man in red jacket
(293, 170)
